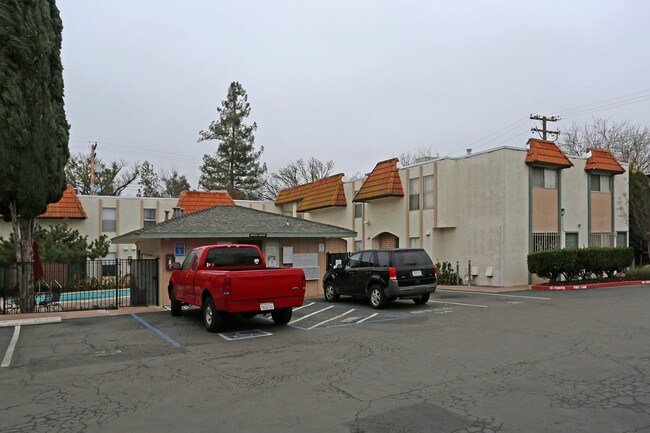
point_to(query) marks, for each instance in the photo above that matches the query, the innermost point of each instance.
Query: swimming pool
(92, 295)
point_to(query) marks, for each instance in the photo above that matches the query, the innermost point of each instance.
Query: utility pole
(544, 119)
(93, 147)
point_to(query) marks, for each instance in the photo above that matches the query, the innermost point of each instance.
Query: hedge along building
(285, 241)
(491, 208)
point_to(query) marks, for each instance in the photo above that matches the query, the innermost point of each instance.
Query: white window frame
(414, 197)
(428, 199)
(148, 222)
(109, 225)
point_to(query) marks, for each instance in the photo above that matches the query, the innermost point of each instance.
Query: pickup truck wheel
(330, 293)
(281, 316)
(377, 297)
(176, 305)
(214, 320)
(421, 300)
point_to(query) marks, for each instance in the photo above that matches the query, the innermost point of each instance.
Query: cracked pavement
(578, 362)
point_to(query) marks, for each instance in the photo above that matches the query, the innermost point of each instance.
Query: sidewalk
(80, 314)
(485, 289)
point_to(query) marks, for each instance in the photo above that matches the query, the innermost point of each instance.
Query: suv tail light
(304, 282)
(435, 271)
(392, 273)
(226, 286)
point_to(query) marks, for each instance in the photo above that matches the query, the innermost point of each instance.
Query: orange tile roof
(193, 201)
(383, 182)
(68, 207)
(326, 192)
(290, 195)
(604, 161)
(546, 153)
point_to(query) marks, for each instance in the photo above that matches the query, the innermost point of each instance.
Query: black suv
(383, 276)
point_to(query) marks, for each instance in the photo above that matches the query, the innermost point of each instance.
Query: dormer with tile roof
(69, 207)
(546, 153)
(193, 201)
(603, 161)
(383, 181)
(324, 193)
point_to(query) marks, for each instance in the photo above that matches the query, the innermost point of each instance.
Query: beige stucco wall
(601, 212)
(545, 211)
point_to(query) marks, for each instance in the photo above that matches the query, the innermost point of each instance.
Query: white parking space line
(303, 306)
(10, 350)
(458, 303)
(495, 294)
(310, 314)
(369, 317)
(333, 318)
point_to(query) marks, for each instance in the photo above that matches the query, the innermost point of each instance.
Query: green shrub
(581, 263)
(642, 273)
(446, 274)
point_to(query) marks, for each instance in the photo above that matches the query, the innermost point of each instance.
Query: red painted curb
(593, 286)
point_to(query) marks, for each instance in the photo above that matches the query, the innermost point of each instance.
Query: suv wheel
(421, 300)
(377, 297)
(330, 293)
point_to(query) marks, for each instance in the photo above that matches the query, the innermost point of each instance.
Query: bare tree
(628, 142)
(296, 173)
(412, 157)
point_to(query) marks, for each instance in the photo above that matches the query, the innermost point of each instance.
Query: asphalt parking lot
(464, 362)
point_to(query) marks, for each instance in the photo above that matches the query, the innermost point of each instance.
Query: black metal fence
(332, 259)
(83, 285)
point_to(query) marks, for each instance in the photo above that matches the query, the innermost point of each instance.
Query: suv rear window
(411, 258)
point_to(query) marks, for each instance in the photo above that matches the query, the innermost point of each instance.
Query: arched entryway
(385, 240)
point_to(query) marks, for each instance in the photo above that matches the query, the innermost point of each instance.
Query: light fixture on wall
(562, 211)
(367, 222)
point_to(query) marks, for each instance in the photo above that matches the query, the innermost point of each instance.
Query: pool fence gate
(81, 285)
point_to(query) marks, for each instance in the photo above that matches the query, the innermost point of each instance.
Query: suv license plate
(266, 306)
(417, 273)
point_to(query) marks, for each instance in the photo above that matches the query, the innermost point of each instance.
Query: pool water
(88, 296)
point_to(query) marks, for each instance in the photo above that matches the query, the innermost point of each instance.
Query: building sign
(272, 253)
(309, 263)
(179, 249)
(257, 235)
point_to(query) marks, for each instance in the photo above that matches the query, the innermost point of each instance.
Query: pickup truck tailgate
(265, 283)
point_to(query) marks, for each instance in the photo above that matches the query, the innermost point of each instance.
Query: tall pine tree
(33, 127)
(235, 166)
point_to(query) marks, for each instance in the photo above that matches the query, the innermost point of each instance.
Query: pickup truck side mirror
(176, 266)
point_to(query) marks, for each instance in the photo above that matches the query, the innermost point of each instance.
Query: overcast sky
(353, 81)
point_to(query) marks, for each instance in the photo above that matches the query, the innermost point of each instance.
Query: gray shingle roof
(235, 221)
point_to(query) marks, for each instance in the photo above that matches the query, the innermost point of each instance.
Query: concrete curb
(593, 286)
(30, 321)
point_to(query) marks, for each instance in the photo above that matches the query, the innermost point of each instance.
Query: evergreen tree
(235, 166)
(34, 132)
(149, 181)
(173, 183)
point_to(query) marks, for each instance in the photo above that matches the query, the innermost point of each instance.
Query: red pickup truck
(226, 279)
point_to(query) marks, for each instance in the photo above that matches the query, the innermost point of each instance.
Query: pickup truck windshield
(241, 256)
(412, 258)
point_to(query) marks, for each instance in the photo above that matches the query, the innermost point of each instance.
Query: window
(358, 245)
(412, 258)
(427, 192)
(601, 183)
(414, 242)
(149, 217)
(358, 210)
(571, 240)
(367, 260)
(354, 261)
(383, 257)
(188, 260)
(196, 262)
(545, 178)
(621, 239)
(543, 241)
(414, 194)
(108, 219)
